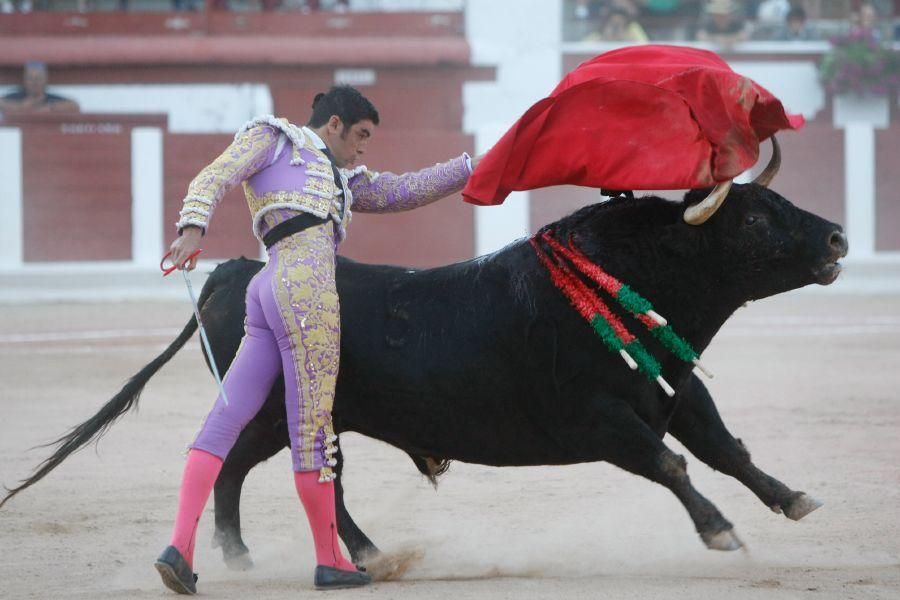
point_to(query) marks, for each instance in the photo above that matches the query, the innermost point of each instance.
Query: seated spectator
(619, 26)
(337, 5)
(33, 95)
(670, 20)
(723, 24)
(599, 9)
(188, 5)
(865, 21)
(588, 9)
(9, 6)
(773, 12)
(305, 6)
(682, 8)
(795, 28)
(664, 7)
(270, 5)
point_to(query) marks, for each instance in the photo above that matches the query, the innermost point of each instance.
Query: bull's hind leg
(260, 440)
(358, 544)
(696, 424)
(630, 444)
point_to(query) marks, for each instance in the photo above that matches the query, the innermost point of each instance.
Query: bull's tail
(431, 468)
(92, 429)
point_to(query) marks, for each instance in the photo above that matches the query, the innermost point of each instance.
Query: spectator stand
(678, 20)
(306, 6)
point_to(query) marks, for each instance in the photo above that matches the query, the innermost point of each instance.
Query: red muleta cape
(638, 118)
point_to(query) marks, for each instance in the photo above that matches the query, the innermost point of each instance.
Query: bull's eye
(751, 219)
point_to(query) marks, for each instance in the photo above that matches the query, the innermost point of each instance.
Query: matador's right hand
(184, 246)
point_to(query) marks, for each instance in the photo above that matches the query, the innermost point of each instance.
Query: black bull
(486, 362)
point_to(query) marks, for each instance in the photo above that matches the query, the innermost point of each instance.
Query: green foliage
(859, 64)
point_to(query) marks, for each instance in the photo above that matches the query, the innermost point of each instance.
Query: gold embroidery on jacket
(266, 208)
(244, 157)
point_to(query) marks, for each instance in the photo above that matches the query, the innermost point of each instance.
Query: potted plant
(858, 64)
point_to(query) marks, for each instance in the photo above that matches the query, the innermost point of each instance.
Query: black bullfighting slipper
(330, 578)
(175, 572)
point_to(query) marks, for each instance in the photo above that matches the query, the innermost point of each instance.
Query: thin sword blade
(203, 337)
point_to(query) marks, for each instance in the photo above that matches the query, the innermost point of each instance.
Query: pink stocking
(318, 501)
(200, 473)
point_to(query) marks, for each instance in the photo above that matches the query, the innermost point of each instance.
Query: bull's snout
(830, 268)
(837, 241)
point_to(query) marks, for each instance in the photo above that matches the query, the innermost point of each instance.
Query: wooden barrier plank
(184, 156)
(77, 196)
(887, 184)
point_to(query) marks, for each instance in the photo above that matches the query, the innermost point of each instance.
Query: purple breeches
(292, 327)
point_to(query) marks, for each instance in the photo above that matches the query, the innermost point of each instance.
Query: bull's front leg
(358, 543)
(620, 437)
(696, 424)
(262, 438)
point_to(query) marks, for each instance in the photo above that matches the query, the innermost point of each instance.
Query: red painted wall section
(406, 99)
(812, 169)
(70, 217)
(887, 189)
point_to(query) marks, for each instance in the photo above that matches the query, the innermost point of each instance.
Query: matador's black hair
(344, 101)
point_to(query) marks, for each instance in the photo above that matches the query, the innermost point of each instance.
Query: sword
(203, 336)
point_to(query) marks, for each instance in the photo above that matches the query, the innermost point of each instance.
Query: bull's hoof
(801, 506)
(776, 508)
(238, 562)
(722, 540)
(393, 565)
(235, 554)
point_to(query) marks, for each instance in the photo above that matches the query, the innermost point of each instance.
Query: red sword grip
(167, 270)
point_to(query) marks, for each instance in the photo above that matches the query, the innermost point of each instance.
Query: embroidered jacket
(283, 172)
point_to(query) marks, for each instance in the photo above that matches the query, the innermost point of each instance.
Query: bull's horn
(700, 212)
(771, 170)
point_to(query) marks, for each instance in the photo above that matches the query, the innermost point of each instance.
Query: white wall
(10, 198)
(192, 108)
(522, 39)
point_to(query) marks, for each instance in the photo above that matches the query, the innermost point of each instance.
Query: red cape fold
(638, 118)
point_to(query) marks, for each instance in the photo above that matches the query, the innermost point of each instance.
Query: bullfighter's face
(348, 144)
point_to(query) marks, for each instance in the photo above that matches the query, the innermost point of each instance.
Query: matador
(301, 184)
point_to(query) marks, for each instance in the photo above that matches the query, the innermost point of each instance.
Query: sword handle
(168, 270)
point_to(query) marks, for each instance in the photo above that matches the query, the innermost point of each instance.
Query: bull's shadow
(487, 362)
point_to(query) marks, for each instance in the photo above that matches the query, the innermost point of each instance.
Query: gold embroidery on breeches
(306, 293)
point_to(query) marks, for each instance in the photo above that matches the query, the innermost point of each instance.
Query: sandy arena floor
(809, 381)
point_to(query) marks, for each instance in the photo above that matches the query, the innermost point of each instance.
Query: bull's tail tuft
(94, 428)
(431, 468)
